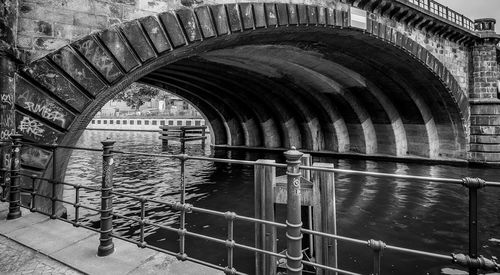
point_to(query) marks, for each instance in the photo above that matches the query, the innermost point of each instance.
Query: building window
(104, 122)
(170, 122)
(155, 122)
(162, 122)
(111, 121)
(179, 122)
(93, 121)
(188, 122)
(146, 122)
(124, 122)
(98, 122)
(117, 122)
(139, 122)
(197, 123)
(131, 122)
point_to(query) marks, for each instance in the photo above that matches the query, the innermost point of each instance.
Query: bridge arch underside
(349, 93)
(315, 88)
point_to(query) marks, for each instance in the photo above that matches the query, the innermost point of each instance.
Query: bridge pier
(484, 96)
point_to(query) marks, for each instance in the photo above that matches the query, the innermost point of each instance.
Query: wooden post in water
(306, 160)
(325, 219)
(265, 235)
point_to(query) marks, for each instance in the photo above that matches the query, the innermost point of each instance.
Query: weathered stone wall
(46, 25)
(453, 55)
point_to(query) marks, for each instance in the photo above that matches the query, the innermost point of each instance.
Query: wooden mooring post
(182, 134)
(317, 195)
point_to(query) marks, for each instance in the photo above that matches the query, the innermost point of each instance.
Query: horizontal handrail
(444, 12)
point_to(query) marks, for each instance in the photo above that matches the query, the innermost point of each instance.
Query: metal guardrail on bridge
(294, 231)
(444, 12)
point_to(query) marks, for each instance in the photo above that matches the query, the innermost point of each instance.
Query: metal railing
(293, 226)
(444, 12)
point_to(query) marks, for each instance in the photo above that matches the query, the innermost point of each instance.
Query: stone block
(485, 130)
(49, 44)
(108, 9)
(67, 60)
(485, 139)
(34, 11)
(135, 36)
(91, 20)
(119, 49)
(490, 148)
(70, 32)
(130, 13)
(25, 41)
(39, 27)
(155, 33)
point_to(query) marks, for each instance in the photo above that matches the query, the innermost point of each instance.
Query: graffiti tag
(31, 127)
(46, 112)
(5, 134)
(7, 99)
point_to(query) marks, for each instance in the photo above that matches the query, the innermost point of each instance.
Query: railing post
(473, 184)
(15, 177)
(54, 184)
(106, 245)
(265, 235)
(378, 247)
(293, 218)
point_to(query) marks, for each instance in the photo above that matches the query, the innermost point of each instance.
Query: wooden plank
(306, 189)
(325, 220)
(265, 235)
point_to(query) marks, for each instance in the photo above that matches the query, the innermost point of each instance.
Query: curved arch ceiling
(342, 95)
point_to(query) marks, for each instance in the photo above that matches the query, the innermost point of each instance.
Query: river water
(418, 215)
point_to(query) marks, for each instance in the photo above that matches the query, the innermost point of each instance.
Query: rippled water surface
(418, 215)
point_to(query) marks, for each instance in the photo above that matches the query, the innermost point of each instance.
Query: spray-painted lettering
(7, 99)
(46, 112)
(31, 127)
(5, 134)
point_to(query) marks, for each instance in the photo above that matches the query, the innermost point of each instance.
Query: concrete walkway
(35, 244)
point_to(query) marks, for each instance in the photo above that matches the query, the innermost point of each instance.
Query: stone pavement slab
(18, 259)
(36, 244)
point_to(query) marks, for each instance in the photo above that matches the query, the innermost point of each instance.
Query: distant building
(165, 104)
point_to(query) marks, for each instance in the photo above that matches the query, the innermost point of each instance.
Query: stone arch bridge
(390, 78)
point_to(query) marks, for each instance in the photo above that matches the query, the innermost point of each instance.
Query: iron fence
(293, 226)
(444, 12)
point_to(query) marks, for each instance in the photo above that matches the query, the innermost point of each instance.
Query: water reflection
(419, 215)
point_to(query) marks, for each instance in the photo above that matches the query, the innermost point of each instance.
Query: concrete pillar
(484, 95)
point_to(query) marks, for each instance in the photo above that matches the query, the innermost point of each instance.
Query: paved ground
(19, 259)
(35, 244)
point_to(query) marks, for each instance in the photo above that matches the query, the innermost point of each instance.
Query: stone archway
(264, 74)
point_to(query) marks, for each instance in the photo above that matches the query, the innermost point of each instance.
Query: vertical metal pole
(77, 204)
(473, 227)
(106, 245)
(33, 194)
(230, 216)
(53, 182)
(378, 247)
(182, 229)
(473, 184)
(183, 141)
(203, 134)
(143, 216)
(14, 189)
(294, 219)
